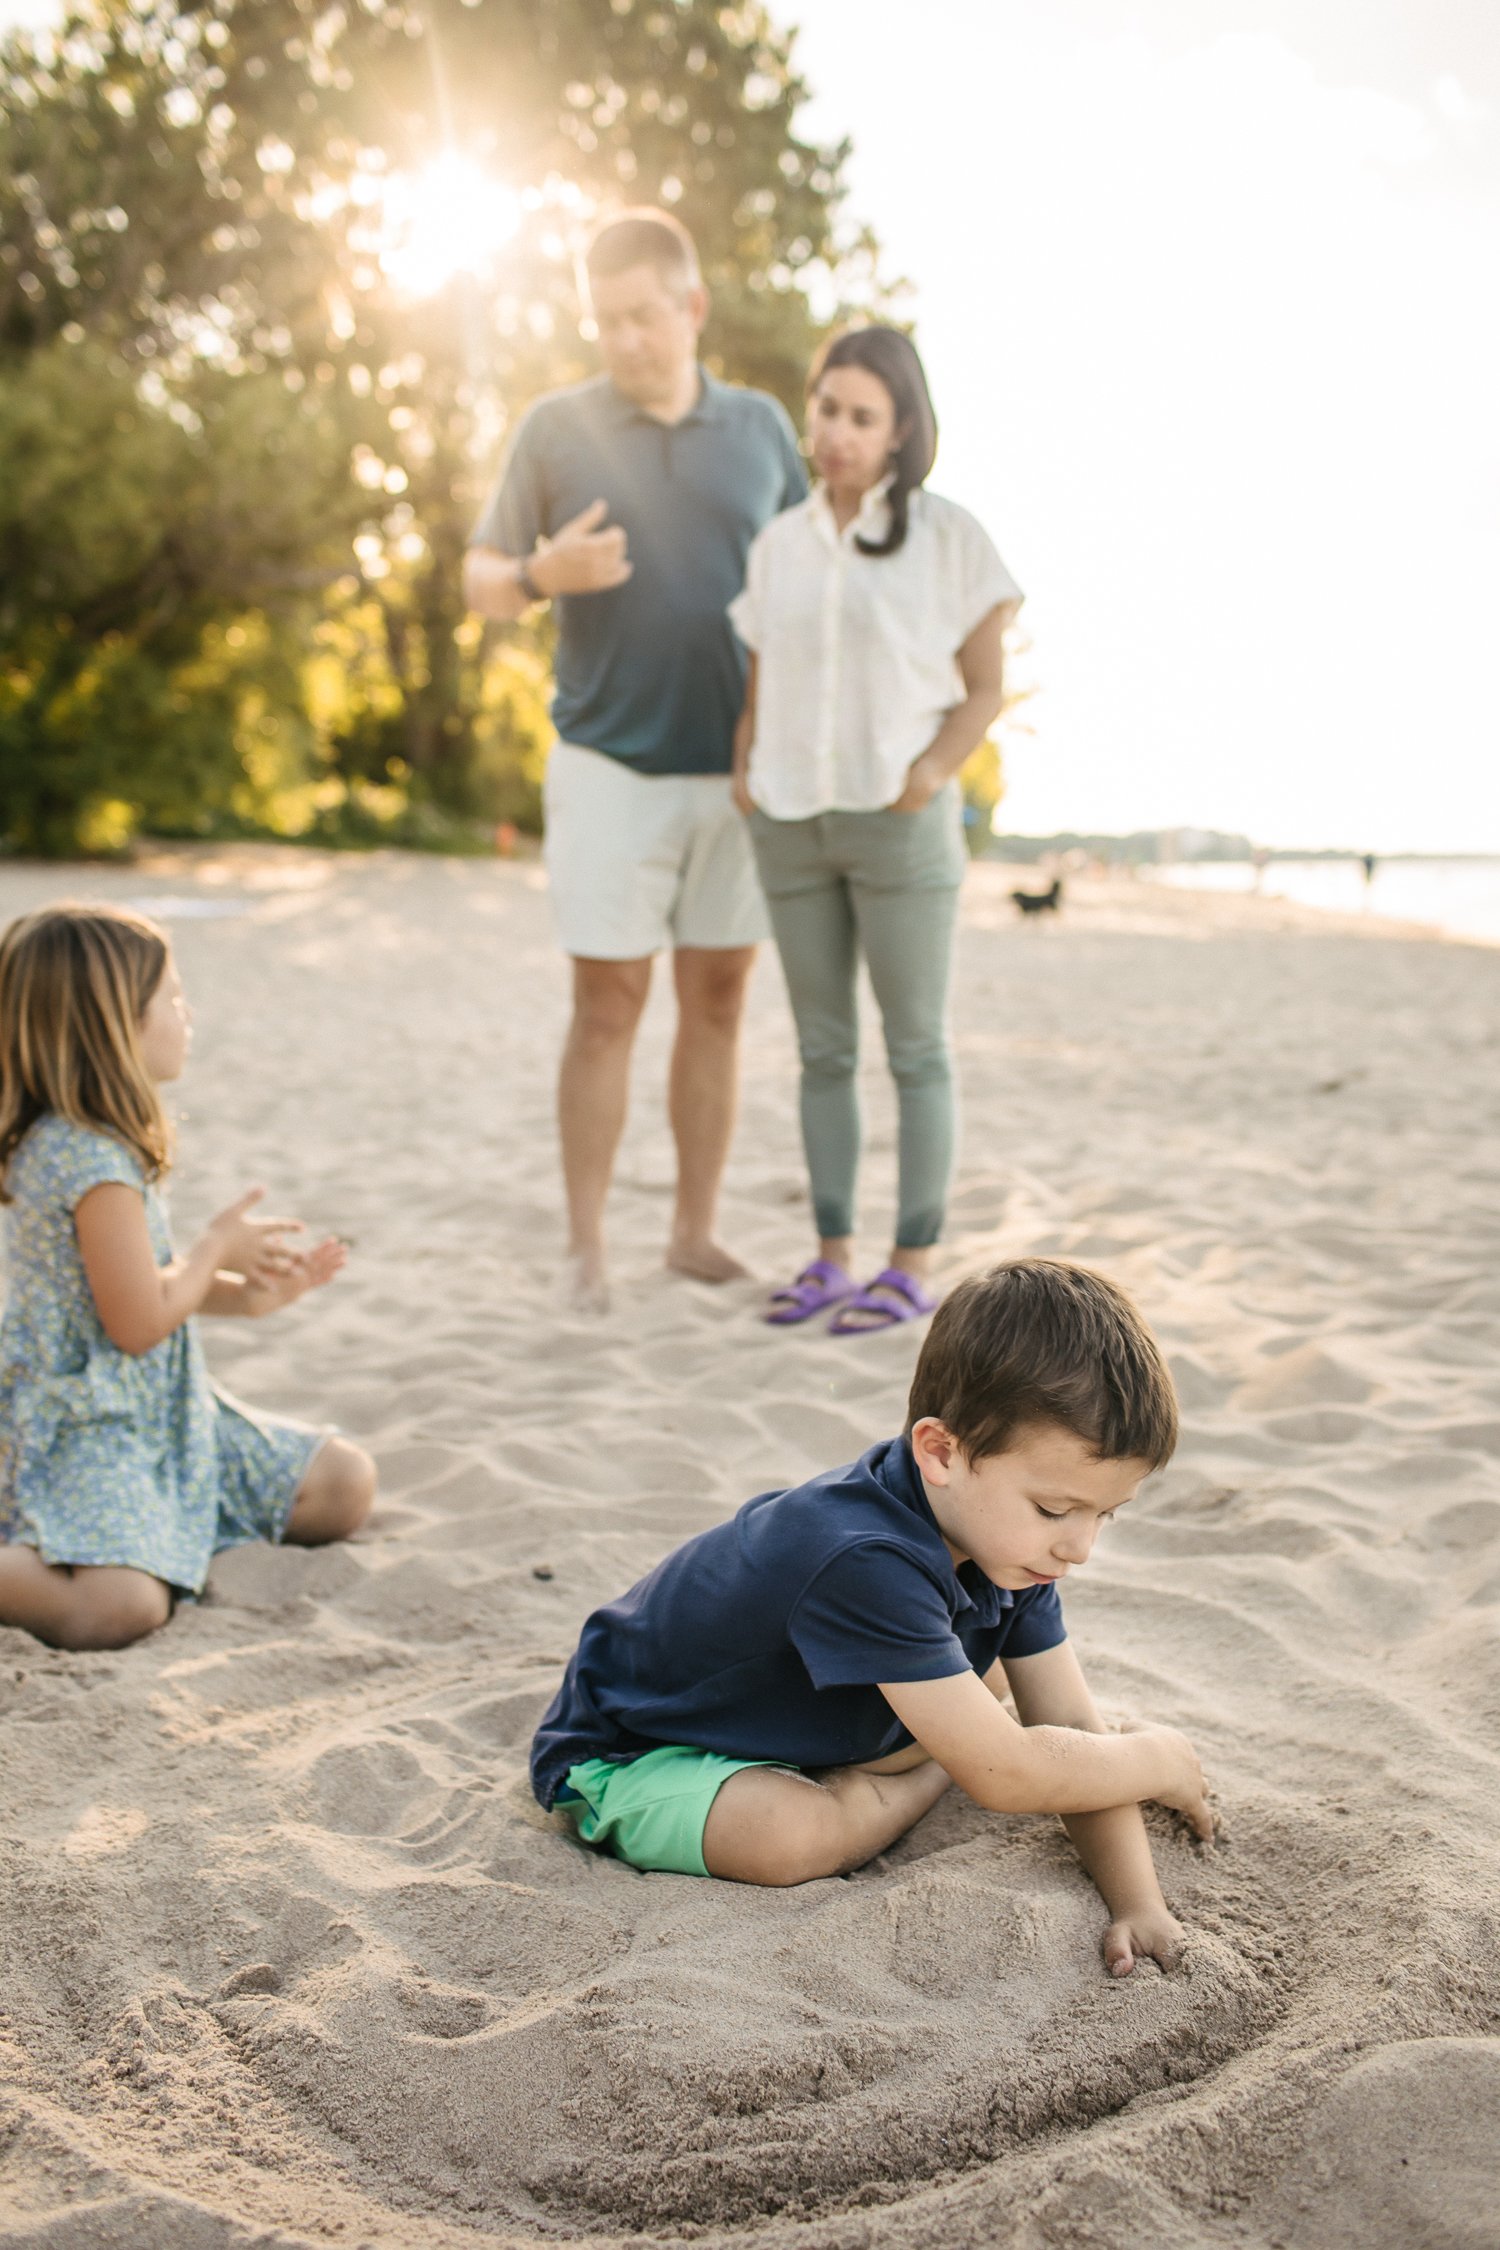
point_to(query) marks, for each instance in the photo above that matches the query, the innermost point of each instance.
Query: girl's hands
(299, 1271)
(739, 794)
(252, 1247)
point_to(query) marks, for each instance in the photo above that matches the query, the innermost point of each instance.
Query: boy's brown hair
(1038, 1340)
(75, 982)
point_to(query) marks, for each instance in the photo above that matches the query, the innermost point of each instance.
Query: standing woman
(874, 612)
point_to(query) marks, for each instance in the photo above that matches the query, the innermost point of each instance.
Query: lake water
(1461, 896)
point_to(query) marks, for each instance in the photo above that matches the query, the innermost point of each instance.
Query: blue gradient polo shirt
(650, 672)
(765, 1637)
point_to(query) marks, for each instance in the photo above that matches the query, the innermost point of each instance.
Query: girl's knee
(337, 1495)
(114, 1615)
(349, 1493)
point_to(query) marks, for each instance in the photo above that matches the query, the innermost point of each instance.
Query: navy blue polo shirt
(650, 672)
(764, 1637)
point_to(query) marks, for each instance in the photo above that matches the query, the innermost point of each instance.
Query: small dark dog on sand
(1040, 902)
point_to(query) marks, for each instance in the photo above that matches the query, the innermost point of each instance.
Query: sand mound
(288, 1955)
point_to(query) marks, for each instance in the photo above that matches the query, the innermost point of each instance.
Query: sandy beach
(288, 1954)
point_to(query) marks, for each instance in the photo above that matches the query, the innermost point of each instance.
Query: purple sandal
(911, 1303)
(816, 1288)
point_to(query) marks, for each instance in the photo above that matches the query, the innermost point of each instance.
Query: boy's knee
(811, 1844)
(798, 1838)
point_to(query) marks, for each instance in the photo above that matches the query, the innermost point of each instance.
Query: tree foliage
(241, 446)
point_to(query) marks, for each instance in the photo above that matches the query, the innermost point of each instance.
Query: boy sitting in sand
(788, 1693)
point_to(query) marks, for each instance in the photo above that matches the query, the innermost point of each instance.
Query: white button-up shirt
(857, 654)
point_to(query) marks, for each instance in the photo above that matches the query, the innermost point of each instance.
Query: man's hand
(582, 558)
(1144, 1933)
(739, 794)
(302, 1270)
(922, 785)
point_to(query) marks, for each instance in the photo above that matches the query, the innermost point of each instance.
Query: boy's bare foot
(704, 1261)
(587, 1281)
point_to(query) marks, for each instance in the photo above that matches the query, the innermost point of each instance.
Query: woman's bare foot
(704, 1260)
(588, 1281)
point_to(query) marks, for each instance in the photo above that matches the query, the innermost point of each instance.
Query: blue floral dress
(106, 1457)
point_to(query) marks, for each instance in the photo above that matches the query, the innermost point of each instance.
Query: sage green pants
(883, 885)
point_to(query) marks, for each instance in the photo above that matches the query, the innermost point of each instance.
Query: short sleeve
(74, 1159)
(516, 514)
(873, 1614)
(983, 580)
(747, 610)
(1037, 1624)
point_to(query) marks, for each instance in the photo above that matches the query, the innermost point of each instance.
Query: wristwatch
(528, 584)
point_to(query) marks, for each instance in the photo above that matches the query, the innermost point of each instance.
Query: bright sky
(1207, 293)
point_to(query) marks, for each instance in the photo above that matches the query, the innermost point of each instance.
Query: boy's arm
(1045, 1768)
(1050, 1690)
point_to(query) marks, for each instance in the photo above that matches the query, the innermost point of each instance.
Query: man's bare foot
(587, 1282)
(704, 1261)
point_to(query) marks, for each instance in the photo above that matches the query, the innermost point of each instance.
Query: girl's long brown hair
(75, 982)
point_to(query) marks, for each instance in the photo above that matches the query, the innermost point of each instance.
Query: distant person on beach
(123, 1471)
(630, 502)
(874, 614)
(791, 1691)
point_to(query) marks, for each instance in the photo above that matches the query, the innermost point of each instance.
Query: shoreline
(1127, 899)
(1138, 901)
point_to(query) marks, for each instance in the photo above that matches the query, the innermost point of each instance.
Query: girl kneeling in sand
(122, 1470)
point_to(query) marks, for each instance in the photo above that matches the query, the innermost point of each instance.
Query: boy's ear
(933, 1447)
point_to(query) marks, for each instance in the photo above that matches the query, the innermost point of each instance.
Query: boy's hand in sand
(1180, 1783)
(300, 1271)
(1144, 1933)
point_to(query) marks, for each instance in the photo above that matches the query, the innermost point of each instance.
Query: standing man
(631, 501)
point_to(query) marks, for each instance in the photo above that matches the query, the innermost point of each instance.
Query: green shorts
(652, 1810)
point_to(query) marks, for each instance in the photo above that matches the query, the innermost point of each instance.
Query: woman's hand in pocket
(922, 785)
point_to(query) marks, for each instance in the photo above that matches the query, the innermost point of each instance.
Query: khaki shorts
(638, 861)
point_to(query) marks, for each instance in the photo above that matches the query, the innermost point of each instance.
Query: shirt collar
(871, 523)
(706, 407)
(897, 1470)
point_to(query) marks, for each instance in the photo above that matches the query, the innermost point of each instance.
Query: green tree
(246, 506)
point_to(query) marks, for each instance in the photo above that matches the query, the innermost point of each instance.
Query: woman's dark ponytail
(891, 357)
